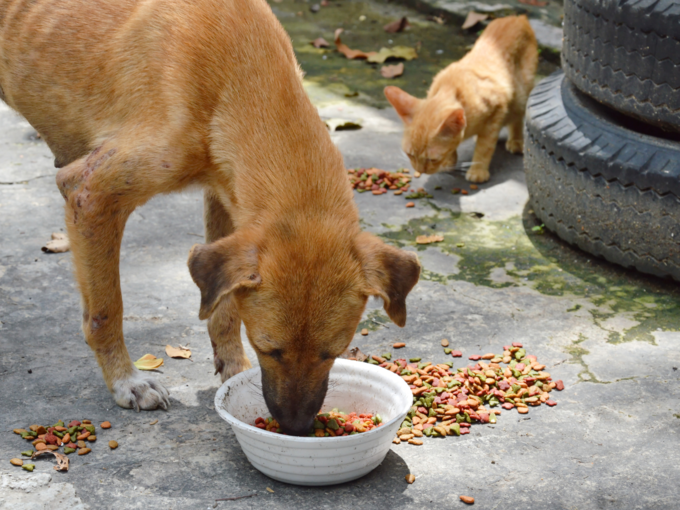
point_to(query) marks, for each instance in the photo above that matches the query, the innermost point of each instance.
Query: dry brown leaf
(320, 43)
(355, 353)
(473, 18)
(397, 26)
(62, 460)
(58, 244)
(178, 352)
(434, 238)
(148, 362)
(392, 71)
(400, 52)
(346, 51)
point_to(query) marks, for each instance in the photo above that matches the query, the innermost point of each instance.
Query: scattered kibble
(331, 424)
(447, 401)
(113, 445)
(410, 204)
(410, 478)
(463, 192)
(153, 422)
(445, 343)
(378, 181)
(16, 462)
(28, 467)
(468, 499)
(473, 186)
(364, 332)
(71, 437)
(398, 345)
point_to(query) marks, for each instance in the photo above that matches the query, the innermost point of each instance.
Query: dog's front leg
(224, 325)
(100, 195)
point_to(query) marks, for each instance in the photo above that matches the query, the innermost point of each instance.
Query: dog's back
(80, 70)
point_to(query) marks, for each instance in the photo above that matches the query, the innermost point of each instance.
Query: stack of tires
(602, 137)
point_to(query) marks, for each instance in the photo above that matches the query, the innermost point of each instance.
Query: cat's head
(433, 129)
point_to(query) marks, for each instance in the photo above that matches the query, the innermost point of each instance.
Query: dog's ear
(221, 268)
(390, 274)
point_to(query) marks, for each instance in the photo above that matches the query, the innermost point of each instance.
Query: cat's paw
(515, 146)
(477, 174)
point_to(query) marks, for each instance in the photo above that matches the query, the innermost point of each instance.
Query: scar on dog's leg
(224, 325)
(99, 200)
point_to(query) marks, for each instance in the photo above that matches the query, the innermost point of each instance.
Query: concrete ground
(610, 334)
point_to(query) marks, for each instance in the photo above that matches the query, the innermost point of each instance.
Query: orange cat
(477, 95)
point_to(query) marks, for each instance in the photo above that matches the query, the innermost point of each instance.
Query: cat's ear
(453, 124)
(402, 101)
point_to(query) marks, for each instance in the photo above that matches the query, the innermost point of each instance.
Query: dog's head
(301, 299)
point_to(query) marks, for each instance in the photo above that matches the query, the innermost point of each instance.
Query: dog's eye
(277, 354)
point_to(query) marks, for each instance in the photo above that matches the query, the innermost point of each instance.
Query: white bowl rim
(235, 422)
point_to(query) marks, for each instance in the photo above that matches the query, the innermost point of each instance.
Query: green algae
(510, 249)
(436, 45)
(375, 320)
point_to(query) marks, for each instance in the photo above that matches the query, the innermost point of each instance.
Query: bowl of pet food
(363, 409)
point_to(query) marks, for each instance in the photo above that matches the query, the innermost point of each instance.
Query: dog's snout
(295, 405)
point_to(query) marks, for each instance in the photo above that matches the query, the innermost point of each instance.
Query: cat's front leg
(515, 142)
(484, 149)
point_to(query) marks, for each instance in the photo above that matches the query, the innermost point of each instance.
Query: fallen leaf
(58, 244)
(343, 124)
(434, 238)
(62, 460)
(345, 50)
(392, 71)
(439, 20)
(148, 362)
(320, 43)
(402, 52)
(397, 26)
(473, 18)
(178, 352)
(355, 353)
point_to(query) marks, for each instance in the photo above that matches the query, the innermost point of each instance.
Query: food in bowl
(330, 424)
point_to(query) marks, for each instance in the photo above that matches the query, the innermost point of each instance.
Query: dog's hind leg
(224, 325)
(101, 191)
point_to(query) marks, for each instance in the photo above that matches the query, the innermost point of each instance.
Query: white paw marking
(140, 391)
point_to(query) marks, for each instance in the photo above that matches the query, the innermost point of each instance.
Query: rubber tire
(626, 54)
(611, 191)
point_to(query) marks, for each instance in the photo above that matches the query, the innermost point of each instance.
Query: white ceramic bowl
(352, 386)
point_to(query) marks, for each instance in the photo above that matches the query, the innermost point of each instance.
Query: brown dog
(136, 98)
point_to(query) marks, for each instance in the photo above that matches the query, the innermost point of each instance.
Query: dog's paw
(477, 173)
(139, 392)
(230, 368)
(515, 146)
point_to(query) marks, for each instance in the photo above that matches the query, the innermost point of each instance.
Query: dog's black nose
(298, 427)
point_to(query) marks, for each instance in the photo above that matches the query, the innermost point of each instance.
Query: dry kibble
(410, 204)
(396, 440)
(410, 478)
(445, 343)
(364, 332)
(416, 442)
(398, 345)
(106, 425)
(468, 499)
(113, 445)
(16, 462)
(41, 446)
(84, 451)
(87, 422)
(92, 439)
